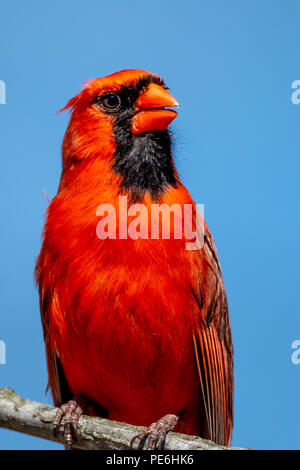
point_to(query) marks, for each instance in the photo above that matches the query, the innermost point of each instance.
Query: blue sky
(230, 65)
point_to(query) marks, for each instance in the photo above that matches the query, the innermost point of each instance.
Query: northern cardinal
(136, 328)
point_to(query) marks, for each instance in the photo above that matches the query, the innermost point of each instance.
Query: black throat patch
(143, 160)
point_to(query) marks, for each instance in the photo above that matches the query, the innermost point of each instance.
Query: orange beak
(150, 113)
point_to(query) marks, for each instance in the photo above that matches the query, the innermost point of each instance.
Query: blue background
(231, 65)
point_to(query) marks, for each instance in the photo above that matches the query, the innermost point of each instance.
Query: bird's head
(124, 117)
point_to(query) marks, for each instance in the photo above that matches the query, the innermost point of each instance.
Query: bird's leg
(69, 413)
(154, 436)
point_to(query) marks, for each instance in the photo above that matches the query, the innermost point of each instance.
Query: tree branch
(30, 417)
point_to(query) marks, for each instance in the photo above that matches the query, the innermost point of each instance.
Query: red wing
(48, 305)
(213, 347)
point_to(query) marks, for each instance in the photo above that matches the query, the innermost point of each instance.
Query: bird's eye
(110, 102)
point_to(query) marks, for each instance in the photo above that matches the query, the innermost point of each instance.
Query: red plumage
(139, 327)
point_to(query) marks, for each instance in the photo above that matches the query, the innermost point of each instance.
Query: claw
(69, 413)
(154, 436)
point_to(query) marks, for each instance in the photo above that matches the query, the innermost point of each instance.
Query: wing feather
(49, 306)
(213, 348)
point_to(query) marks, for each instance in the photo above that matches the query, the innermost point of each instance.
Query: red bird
(136, 326)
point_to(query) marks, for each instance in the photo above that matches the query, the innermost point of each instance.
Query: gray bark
(30, 417)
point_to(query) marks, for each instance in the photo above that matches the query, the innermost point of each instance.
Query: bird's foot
(68, 415)
(154, 436)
